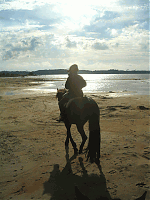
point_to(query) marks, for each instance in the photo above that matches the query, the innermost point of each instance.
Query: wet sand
(35, 165)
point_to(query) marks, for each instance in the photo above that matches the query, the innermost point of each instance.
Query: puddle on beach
(39, 90)
(112, 94)
(44, 87)
(36, 90)
(10, 93)
(29, 91)
(120, 94)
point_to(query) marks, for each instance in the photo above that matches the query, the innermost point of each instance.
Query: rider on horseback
(74, 84)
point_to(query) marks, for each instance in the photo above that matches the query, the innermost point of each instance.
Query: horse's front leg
(71, 139)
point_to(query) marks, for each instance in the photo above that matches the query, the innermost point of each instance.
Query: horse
(78, 111)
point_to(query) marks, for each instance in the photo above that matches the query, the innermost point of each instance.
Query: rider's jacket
(75, 83)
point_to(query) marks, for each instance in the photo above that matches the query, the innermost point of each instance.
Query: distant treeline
(64, 71)
(16, 74)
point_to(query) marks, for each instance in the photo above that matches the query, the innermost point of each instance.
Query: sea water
(114, 84)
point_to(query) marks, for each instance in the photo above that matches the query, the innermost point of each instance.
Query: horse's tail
(93, 149)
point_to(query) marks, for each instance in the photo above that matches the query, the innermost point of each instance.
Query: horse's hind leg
(71, 139)
(67, 138)
(84, 137)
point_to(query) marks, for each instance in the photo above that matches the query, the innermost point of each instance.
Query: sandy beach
(35, 165)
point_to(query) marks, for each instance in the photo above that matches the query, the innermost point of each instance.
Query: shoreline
(33, 158)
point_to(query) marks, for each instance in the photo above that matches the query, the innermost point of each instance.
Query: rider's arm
(82, 82)
(67, 83)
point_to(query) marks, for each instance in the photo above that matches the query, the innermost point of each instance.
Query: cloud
(115, 21)
(36, 34)
(144, 46)
(112, 32)
(134, 2)
(100, 46)
(23, 46)
(70, 44)
(109, 15)
(44, 16)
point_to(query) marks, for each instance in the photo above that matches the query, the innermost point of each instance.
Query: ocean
(114, 84)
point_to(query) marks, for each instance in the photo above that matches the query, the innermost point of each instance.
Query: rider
(74, 84)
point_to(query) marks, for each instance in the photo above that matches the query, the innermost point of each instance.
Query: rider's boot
(62, 110)
(61, 118)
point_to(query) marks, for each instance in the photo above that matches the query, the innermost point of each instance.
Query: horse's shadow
(66, 185)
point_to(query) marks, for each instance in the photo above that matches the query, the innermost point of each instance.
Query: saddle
(67, 96)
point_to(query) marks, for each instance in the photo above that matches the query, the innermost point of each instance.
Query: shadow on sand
(64, 185)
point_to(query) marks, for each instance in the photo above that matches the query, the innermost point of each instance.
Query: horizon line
(127, 70)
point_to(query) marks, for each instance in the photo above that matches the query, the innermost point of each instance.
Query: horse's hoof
(91, 160)
(97, 161)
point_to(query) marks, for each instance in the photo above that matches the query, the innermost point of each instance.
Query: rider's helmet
(73, 68)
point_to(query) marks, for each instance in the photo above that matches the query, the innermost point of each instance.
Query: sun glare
(77, 11)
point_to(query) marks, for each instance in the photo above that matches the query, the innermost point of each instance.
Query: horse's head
(60, 93)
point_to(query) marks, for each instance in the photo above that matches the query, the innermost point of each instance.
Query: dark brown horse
(78, 111)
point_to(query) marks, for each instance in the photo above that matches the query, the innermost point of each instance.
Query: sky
(95, 34)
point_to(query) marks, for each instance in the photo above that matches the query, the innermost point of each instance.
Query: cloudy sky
(95, 34)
